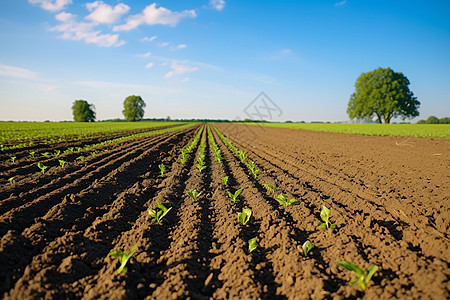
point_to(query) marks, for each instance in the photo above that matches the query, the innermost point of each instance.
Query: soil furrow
(75, 211)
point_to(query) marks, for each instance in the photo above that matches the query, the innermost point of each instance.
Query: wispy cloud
(164, 44)
(147, 54)
(149, 39)
(103, 13)
(340, 3)
(180, 46)
(149, 65)
(77, 31)
(16, 72)
(51, 5)
(217, 4)
(178, 69)
(152, 15)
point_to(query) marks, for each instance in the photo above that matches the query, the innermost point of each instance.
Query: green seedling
(245, 215)
(364, 276)
(61, 163)
(42, 167)
(225, 180)
(80, 158)
(46, 154)
(93, 153)
(79, 149)
(12, 180)
(252, 244)
(255, 172)
(307, 246)
(12, 159)
(123, 258)
(31, 155)
(162, 168)
(158, 215)
(57, 152)
(283, 200)
(251, 165)
(235, 195)
(200, 167)
(70, 149)
(325, 215)
(270, 189)
(184, 157)
(194, 194)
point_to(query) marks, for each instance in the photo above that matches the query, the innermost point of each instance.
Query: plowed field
(389, 198)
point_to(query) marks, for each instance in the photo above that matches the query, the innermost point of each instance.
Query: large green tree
(133, 108)
(384, 94)
(83, 111)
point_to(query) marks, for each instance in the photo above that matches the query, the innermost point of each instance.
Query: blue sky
(210, 59)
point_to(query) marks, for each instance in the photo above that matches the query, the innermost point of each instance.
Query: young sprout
(123, 258)
(61, 163)
(12, 180)
(70, 149)
(42, 167)
(158, 215)
(200, 167)
(57, 152)
(31, 154)
(244, 216)
(325, 215)
(194, 194)
(184, 157)
(235, 195)
(283, 200)
(307, 246)
(255, 172)
(12, 159)
(225, 180)
(46, 154)
(270, 189)
(93, 153)
(252, 244)
(364, 276)
(80, 158)
(162, 168)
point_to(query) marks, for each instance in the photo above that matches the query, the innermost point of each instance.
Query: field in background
(12, 131)
(407, 130)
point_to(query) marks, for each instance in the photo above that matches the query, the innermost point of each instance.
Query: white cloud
(185, 79)
(77, 31)
(52, 5)
(103, 13)
(286, 51)
(217, 4)
(180, 46)
(16, 72)
(149, 39)
(147, 54)
(152, 15)
(178, 69)
(149, 65)
(340, 3)
(165, 44)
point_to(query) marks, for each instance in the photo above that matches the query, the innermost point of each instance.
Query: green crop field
(407, 130)
(25, 131)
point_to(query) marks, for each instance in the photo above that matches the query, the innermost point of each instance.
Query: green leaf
(325, 214)
(252, 244)
(370, 272)
(307, 246)
(244, 216)
(323, 225)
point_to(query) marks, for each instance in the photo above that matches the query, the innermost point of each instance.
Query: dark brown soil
(389, 199)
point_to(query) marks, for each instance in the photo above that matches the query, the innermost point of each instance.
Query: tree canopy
(133, 108)
(83, 111)
(384, 94)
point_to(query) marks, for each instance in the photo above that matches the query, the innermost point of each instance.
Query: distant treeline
(434, 120)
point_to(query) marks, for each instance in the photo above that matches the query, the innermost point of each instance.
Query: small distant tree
(432, 120)
(382, 93)
(444, 121)
(133, 108)
(83, 111)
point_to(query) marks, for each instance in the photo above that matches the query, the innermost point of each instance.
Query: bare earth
(389, 197)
